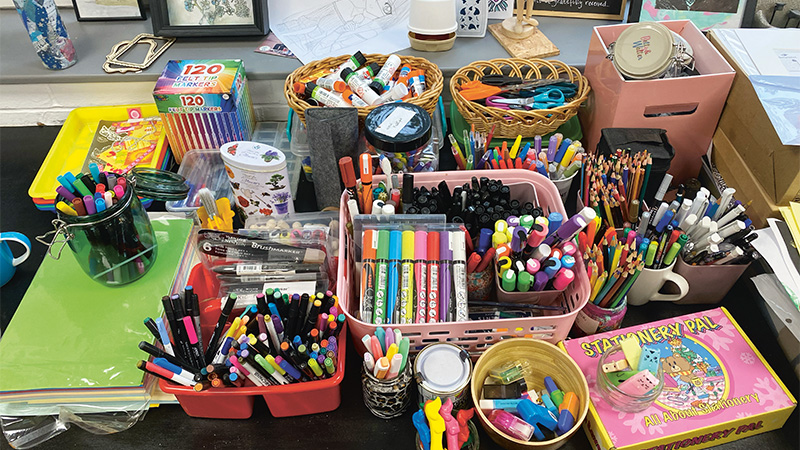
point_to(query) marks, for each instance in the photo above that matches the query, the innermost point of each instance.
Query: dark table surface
(351, 426)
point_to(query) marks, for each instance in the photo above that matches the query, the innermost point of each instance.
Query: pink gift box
(618, 103)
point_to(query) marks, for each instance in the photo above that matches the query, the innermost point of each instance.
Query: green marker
(404, 343)
(651, 253)
(382, 277)
(526, 222)
(329, 367)
(509, 280)
(524, 280)
(81, 187)
(672, 253)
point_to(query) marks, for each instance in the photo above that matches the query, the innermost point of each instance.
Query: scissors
(546, 100)
(476, 90)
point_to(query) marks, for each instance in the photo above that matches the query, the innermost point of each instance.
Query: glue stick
(359, 86)
(324, 96)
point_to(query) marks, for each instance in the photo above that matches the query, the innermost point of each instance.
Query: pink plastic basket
(474, 336)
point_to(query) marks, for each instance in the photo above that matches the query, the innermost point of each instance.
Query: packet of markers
(358, 82)
(282, 339)
(560, 160)
(626, 237)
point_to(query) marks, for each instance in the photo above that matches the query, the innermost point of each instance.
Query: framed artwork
(201, 18)
(705, 14)
(102, 10)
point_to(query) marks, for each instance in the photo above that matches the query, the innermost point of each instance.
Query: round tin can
(258, 177)
(650, 50)
(443, 370)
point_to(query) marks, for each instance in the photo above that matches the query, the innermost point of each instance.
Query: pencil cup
(707, 284)
(114, 247)
(651, 281)
(616, 398)
(594, 319)
(479, 284)
(473, 443)
(564, 185)
(387, 399)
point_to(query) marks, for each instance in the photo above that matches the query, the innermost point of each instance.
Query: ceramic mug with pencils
(650, 281)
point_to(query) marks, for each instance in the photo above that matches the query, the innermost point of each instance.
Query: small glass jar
(387, 399)
(402, 133)
(622, 401)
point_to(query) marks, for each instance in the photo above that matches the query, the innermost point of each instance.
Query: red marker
(472, 263)
(487, 259)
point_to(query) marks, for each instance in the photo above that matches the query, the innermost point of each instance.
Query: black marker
(223, 318)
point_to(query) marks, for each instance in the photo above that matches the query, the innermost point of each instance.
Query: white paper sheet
(323, 28)
(770, 249)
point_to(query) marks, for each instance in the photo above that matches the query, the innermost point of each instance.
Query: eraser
(618, 377)
(633, 351)
(615, 366)
(649, 359)
(639, 384)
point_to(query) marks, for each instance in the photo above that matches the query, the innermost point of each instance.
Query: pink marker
(452, 428)
(532, 266)
(421, 275)
(569, 247)
(119, 191)
(242, 370)
(563, 279)
(631, 238)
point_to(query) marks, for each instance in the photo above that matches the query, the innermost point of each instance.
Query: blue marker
(70, 178)
(561, 150)
(64, 182)
(100, 204)
(555, 219)
(523, 154)
(162, 332)
(541, 168)
(395, 252)
(95, 172)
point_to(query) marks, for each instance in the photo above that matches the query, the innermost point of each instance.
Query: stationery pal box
(204, 104)
(718, 387)
(687, 107)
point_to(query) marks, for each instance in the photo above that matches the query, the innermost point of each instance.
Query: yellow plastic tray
(71, 146)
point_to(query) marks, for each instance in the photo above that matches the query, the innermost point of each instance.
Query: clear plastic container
(115, 246)
(201, 168)
(275, 134)
(403, 133)
(616, 398)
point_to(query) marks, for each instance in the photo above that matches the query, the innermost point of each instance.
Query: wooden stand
(534, 46)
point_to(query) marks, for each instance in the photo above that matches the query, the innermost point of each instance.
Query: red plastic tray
(295, 399)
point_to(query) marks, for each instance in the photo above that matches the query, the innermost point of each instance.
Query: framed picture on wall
(102, 10)
(202, 18)
(705, 14)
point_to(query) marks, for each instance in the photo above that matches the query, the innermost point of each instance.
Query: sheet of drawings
(323, 28)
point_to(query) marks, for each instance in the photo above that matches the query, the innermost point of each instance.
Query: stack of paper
(73, 342)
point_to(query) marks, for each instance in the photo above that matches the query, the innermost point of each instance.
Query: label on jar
(395, 122)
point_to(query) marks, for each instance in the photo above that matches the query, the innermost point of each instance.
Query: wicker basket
(510, 123)
(434, 82)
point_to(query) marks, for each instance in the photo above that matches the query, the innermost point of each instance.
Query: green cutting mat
(72, 332)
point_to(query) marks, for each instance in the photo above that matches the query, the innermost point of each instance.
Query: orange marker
(365, 170)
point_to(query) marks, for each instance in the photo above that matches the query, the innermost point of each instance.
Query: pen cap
(433, 245)
(445, 251)
(662, 190)
(408, 189)
(421, 245)
(383, 244)
(484, 240)
(347, 170)
(459, 245)
(408, 245)
(370, 244)
(365, 168)
(563, 279)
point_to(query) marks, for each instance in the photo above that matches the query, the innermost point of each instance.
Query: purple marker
(445, 277)
(567, 230)
(518, 238)
(276, 322)
(290, 369)
(68, 196)
(552, 147)
(540, 281)
(537, 144)
(88, 202)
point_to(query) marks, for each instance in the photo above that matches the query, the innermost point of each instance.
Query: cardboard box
(718, 388)
(737, 175)
(698, 100)
(204, 104)
(748, 127)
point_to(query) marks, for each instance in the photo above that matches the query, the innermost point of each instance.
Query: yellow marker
(436, 422)
(237, 322)
(568, 155)
(66, 209)
(515, 147)
(633, 351)
(391, 351)
(407, 279)
(504, 264)
(500, 226)
(271, 360)
(498, 238)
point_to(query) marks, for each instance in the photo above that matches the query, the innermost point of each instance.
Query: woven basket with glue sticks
(434, 82)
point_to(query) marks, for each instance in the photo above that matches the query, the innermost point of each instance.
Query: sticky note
(632, 352)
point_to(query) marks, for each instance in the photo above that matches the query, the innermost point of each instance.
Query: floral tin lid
(253, 156)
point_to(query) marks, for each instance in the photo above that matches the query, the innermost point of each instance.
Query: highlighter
(393, 284)
(407, 278)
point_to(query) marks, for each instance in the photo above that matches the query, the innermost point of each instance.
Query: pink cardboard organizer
(619, 103)
(474, 336)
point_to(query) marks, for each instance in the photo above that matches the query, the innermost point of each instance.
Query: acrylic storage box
(202, 169)
(687, 107)
(69, 150)
(296, 399)
(474, 336)
(275, 134)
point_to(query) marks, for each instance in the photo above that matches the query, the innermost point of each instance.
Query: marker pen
(421, 275)
(382, 277)
(446, 304)
(164, 337)
(288, 368)
(359, 86)
(406, 313)
(458, 245)
(393, 282)
(369, 253)
(273, 372)
(164, 373)
(433, 277)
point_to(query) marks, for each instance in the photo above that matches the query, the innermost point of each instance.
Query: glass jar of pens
(386, 375)
(104, 223)
(560, 161)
